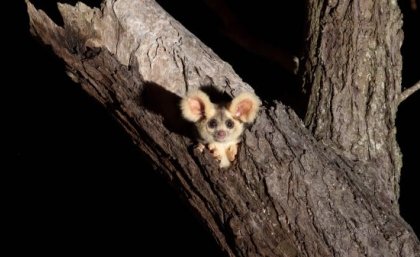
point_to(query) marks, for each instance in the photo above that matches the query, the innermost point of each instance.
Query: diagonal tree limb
(287, 194)
(409, 91)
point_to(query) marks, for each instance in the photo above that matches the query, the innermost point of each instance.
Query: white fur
(191, 111)
(239, 107)
(198, 108)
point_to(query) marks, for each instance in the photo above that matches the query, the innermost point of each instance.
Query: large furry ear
(245, 107)
(197, 105)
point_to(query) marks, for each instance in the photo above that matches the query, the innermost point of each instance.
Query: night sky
(77, 180)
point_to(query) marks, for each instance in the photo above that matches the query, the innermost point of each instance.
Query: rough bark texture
(353, 67)
(286, 195)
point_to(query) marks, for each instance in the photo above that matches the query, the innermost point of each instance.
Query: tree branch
(353, 105)
(409, 91)
(413, 5)
(286, 195)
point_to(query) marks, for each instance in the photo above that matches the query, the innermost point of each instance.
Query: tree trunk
(287, 194)
(353, 68)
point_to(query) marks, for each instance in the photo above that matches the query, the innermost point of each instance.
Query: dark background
(77, 184)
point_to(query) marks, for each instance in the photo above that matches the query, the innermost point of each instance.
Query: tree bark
(287, 194)
(353, 68)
